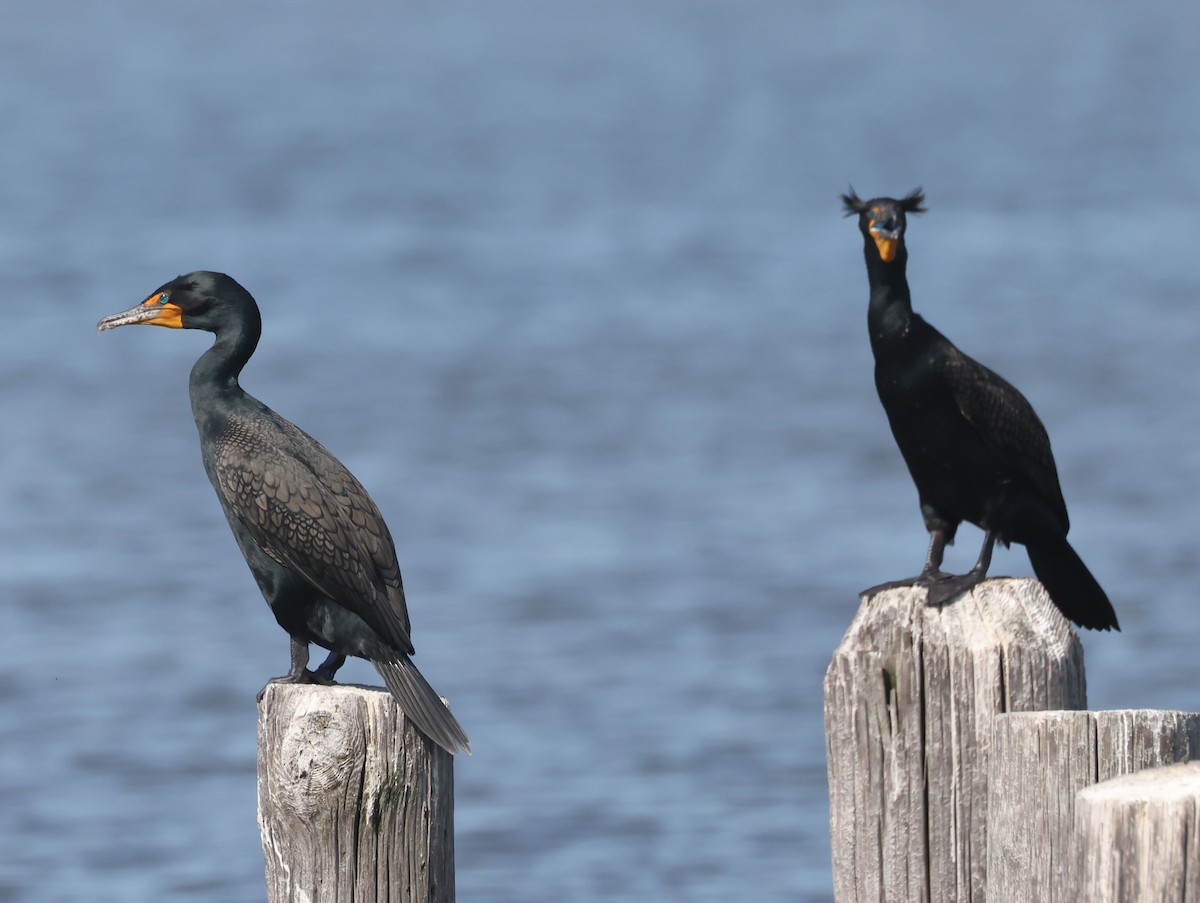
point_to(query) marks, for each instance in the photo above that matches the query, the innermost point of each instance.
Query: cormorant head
(883, 219)
(200, 300)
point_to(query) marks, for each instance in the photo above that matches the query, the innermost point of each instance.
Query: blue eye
(162, 298)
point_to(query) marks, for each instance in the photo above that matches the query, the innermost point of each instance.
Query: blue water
(568, 287)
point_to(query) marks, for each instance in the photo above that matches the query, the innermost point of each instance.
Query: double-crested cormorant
(973, 444)
(315, 542)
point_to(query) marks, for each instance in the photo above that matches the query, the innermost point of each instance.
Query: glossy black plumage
(313, 538)
(973, 444)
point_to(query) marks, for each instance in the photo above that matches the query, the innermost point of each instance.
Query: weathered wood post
(354, 803)
(1041, 761)
(910, 698)
(1139, 837)
(1031, 802)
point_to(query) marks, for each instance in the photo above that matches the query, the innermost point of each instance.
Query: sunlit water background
(568, 287)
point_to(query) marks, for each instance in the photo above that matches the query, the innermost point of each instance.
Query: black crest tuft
(854, 204)
(913, 202)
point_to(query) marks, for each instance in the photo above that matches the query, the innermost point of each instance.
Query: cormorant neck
(890, 308)
(215, 373)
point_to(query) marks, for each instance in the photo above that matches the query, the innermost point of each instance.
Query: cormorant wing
(371, 529)
(1007, 424)
(300, 523)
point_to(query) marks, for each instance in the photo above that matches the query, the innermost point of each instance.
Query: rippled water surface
(568, 287)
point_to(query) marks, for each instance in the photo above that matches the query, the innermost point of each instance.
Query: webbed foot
(942, 587)
(300, 673)
(950, 587)
(304, 677)
(922, 579)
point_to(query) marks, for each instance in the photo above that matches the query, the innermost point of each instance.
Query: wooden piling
(1040, 763)
(910, 698)
(1040, 760)
(354, 804)
(1140, 837)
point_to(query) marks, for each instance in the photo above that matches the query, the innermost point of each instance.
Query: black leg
(933, 558)
(299, 673)
(299, 662)
(951, 587)
(930, 574)
(329, 668)
(940, 586)
(985, 555)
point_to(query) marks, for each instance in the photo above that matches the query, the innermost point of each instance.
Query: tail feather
(1071, 586)
(422, 705)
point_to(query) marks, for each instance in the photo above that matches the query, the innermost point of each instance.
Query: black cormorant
(315, 542)
(975, 448)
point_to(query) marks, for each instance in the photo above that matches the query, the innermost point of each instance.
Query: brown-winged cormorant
(975, 448)
(315, 542)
